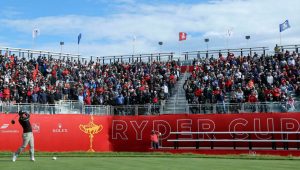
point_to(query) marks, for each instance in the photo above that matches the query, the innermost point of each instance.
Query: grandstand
(149, 84)
(130, 95)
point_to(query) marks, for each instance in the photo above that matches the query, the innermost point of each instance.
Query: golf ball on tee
(54, 158)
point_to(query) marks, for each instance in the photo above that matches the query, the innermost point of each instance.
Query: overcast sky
(108, 27)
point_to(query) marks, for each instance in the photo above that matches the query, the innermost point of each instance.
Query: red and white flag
(182, 36)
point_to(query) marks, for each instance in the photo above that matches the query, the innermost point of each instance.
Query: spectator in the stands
(43, 100)
(290, 104)
(51, 101)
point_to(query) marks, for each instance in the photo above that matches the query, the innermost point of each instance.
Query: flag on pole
(79, 38)
(284, 26)
(35, 33)
(182, 36)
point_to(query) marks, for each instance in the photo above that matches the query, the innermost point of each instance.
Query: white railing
(75, 107)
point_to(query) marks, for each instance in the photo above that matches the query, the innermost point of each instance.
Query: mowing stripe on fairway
(151, 154)
(138, 163)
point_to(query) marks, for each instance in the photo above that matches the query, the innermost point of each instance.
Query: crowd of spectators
(47, 80)
(241, 79)
(232, 79)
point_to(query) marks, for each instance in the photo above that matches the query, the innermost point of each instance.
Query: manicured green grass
(141, 161)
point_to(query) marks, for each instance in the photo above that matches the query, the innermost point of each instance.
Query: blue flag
(284, 26)
(79, 38)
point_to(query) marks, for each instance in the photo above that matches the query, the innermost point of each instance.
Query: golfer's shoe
(14, 158)
(32, 158)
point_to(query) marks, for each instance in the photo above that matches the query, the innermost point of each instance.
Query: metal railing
(30, 53)
(240, 51)
(150, 109)
(135, 58)
(59, 108)
(289, 47)
(223, 108)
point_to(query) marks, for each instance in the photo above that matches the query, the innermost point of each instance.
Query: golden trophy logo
(91, 129)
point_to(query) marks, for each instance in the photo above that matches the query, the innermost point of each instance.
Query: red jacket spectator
(276, 92)
(29, 93)
(6, 93)
(217, 91)
(172, 78)
(155, 100)
(154, 137)
(53, 73)
(36, 89)
(142, 88)
(12, 61)
(66, 72)
(147, 77)
(87, 100)
(228, 83)
(99, 90)
(198, 92)
(252, 98)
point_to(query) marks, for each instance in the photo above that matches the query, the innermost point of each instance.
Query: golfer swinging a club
(27, 136)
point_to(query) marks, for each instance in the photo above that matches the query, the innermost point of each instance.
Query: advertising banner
(56, 133)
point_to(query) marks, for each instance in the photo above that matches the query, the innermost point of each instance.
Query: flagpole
(78, 49)
(33, 43)
(227, 35)
(133, 47)
(229, 32)
(34, 34)
(280, 38)
(179, 52)
(227, 43)
(133, 44)
(182, 37)
(78, 42)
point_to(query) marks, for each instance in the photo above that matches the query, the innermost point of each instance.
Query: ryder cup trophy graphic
(91, 129)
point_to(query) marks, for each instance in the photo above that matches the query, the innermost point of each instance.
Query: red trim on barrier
(132, 133)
